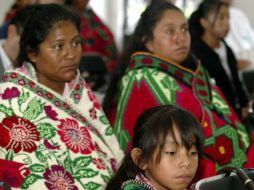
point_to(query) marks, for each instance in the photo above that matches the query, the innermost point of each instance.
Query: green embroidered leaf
(33, 110)
(92, 186)
(85, 173)
(7, 111)
(104, 120)
(46, 130)
(105, 178)
(82, 162)
(124, 139)
(67, 165)
(24, 96)
(31, 179)
(37, 168)
(41, 157)
(109, 131)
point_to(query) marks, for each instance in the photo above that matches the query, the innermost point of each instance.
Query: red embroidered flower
(14, 75)
(13, 173)
(50, 113)
(49, 95)
(76, 138)
(93, 113)
(5, 78)
(77, 87)
(31, 84)
(22, 82)
(99, 163)
(40, 93)
(91, 95)
(83, 118)
(57, 178)
(74, 114)
(58, 104)
(67, 106)
(18, 134)
(10, 93)
(222, 151)
(77, 96)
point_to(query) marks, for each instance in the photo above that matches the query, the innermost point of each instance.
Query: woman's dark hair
(150, 133)
(143, 33)
(42, 19)
(204, 9)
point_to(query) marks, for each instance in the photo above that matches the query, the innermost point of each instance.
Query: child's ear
(136, 154)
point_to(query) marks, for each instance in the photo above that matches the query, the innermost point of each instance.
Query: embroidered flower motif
(93, 113)
(99, 163)
(77, 87)
(13, 173)
(10, 93)
(57, 178)
(67, 106)
(50, 146)
(18, 134)
(76, 138)
(22, 82)
(74, 114)
(57, 103)
(77, 96)
(49, 95)
(14, 75)
(5, 78)
(222, 151)
(50, 113)
(40, 93)
(31, 84)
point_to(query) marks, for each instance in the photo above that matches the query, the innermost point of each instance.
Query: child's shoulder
(135, 184)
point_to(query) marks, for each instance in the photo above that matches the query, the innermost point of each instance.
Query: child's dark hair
(143, 33)
(38, 26)
(150, 132)
(204, 9)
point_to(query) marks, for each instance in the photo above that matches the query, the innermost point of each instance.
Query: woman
(161, 71)
(53, 133)
(209, 25)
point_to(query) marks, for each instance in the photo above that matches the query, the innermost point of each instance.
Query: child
(167, 146)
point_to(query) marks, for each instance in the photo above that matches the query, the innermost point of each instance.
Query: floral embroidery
(99, 163)
(18, 134)
(50, 113)
(76, 138)
(93, 113)
(10, 93)
(59, 179)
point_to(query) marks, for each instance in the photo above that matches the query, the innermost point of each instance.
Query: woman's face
(219, 24)
(176, 168)
(171, 38)
(59, 54)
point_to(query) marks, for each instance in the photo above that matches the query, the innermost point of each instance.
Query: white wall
(4, 7)
(247, 6)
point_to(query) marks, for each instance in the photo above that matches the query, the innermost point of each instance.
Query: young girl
(209, 25)
(167, 145)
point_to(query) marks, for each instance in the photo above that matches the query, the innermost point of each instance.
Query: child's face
(219, 26)
(176, 168)
(171, 38)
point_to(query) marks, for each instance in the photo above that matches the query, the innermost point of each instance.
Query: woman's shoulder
(134, 184)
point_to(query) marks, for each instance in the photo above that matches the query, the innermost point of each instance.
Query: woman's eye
(77, 43)
(58, 46)
(170, 153)
(185, 29)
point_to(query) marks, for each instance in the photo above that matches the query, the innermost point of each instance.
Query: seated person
(9, 47)
(53, 132)
(169, 159)
(209, 24)
(158, 69)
